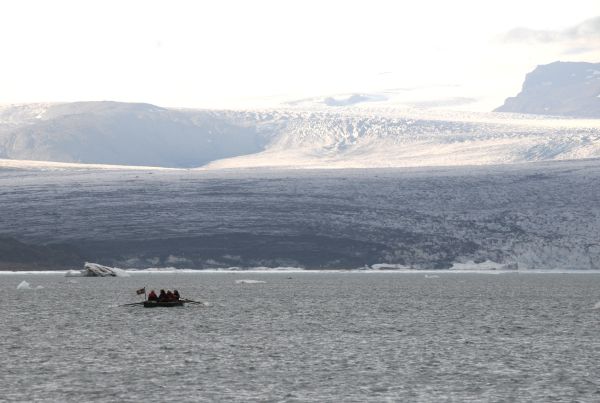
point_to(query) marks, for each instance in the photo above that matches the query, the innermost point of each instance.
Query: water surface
(304, 337)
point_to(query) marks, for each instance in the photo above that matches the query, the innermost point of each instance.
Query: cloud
(444, 102)
(353, 99)
(340, 100)
(582, 37)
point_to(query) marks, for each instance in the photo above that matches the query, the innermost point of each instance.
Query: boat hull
(169, 304)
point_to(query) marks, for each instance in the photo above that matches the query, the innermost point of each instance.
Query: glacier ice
(111, 133)
(531, 216)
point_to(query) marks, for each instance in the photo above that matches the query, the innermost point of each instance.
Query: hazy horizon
(236, 54)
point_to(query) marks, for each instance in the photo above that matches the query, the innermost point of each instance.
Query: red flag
(141, 291)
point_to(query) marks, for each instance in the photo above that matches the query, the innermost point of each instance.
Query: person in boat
(162, 297)
(152, 296)
(170, 296)
(176, 295)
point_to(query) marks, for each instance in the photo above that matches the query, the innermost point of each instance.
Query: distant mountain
(122, 134)
(146, 135)
(561, 89)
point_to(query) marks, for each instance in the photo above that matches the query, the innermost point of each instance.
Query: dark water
(304, 337)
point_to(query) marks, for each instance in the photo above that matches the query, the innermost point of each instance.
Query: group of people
(164, 296)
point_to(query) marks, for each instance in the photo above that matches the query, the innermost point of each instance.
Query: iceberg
(97, 270)
(24, 285)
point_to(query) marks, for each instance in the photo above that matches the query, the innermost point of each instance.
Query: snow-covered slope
(121, 134)
(345, 137)
(559, 88)
(361, 138)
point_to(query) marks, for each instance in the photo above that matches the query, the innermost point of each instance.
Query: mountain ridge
(561, 89)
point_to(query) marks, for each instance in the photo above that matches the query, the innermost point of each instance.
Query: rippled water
(303, 337)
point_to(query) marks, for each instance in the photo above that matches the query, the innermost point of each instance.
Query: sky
(252, 53)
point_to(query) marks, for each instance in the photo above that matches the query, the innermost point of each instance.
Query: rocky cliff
(561, 89)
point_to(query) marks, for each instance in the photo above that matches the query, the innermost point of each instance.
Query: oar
(134, 303)
(189, 301)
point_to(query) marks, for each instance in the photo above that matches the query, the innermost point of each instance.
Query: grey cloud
(588, 28)
(587, 31)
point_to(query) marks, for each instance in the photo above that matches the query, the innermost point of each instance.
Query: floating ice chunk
(432, 276)
(486, 265)
(259, 269)
(161, 269)
(24, 285)
(390, 266)
(249, 282)
(97, 270)
(120, 272)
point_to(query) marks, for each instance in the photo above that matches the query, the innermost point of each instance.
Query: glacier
(136, 185)
(113, 133)
(542, 215)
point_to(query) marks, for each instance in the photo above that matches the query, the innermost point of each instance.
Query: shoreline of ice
(289, 270)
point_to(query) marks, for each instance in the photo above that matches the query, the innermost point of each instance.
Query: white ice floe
(390, 266)
(249, 282)
(485, 265)
(120, 272)
(24, 285)
(157, 270)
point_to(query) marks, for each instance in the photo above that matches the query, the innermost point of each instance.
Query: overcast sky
(244, 53)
